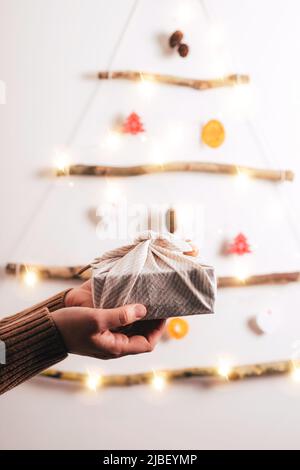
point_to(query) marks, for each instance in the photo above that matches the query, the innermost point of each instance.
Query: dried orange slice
(213, 133)
(177, 328)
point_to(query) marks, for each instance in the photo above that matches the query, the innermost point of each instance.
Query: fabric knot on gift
(166, 240)
(154, 271)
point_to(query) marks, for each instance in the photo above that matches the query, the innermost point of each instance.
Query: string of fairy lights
(112, 142)
(224, 372)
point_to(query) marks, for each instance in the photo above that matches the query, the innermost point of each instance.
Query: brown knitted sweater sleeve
(30, 343)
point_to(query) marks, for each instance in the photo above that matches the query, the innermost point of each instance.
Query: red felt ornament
(133, 124)
(239, 246)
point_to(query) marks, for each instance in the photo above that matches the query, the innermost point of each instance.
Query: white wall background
(46, 48)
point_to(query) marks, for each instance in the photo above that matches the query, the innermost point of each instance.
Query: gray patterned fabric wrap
(154, 271)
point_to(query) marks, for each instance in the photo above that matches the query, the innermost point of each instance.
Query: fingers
(143, 343)
(133, 345)
(121, 316)
(117, 344)
(143, 328)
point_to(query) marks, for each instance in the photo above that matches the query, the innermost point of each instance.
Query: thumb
(121, 316)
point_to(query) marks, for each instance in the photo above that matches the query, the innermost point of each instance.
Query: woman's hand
(101, 332)
(106, 333)
(80, 296)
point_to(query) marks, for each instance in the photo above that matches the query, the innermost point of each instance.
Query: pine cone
(175, 38)
(183, 50)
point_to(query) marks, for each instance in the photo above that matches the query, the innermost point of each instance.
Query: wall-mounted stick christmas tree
(133, 125)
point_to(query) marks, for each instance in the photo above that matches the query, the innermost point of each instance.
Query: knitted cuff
(31, 343)
(55, 302)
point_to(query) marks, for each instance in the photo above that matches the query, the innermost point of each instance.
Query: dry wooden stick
(192, 166)
(259, 279)
(235, 373)
(229, 80)
(49, 272)
(83, 272)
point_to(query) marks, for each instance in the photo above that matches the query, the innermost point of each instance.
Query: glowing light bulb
(30, 277)
(242, 178)
(158, 381)
(296, 374)
(62, 163)
(241, 268)
(156, 155)
(241, 274)
(93, 381)
(224, 368)
(146, 87)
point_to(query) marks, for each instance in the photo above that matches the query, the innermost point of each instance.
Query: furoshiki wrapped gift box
(153, 271)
